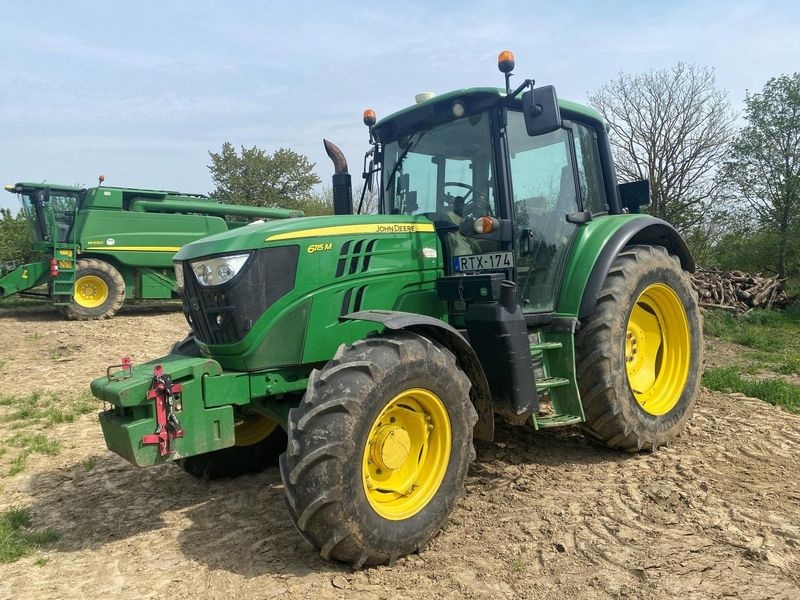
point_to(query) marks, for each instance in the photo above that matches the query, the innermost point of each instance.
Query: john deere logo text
(319, 248)
(397, 228)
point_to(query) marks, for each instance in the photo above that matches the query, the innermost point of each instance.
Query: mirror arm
(522, 86)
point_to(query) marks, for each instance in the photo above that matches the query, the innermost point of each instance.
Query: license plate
(492, 261)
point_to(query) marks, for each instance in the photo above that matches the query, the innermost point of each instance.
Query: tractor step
(540, 346)
(547, 383)
(554, 421)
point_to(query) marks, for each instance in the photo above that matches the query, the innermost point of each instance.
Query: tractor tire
(379, 449)
(640, 352)
(259, 443)
(98, 294)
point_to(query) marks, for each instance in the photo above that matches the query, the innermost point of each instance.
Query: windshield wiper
(411, 143)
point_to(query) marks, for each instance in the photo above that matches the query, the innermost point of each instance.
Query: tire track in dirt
(548, 514)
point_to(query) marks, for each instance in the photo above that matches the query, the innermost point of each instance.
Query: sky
(141, 91)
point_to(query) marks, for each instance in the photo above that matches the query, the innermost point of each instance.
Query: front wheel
(640, 352)
(259, 442)
(378, 449)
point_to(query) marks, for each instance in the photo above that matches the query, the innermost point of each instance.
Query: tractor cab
(506, 178)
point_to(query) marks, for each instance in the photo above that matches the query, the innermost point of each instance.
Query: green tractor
(507, 275)
(103, 245)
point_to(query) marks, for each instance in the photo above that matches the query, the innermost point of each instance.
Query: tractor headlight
(218, 270)
(179, 274)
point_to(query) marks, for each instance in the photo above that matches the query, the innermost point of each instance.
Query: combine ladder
(64, 285)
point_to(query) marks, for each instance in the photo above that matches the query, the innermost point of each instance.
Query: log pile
(737, 291)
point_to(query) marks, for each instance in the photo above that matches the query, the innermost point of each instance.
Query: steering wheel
(475, 203)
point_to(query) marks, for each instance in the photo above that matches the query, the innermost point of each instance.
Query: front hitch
(159, 410)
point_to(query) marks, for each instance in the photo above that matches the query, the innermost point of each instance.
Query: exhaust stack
(342, 187)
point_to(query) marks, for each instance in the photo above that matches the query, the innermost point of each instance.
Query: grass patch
(773, 391)
(36, 443)
(18, 464)
(772, 335)
(90, 463)
(46, 409)
(31, 444)
(15, 539)
(790, 365)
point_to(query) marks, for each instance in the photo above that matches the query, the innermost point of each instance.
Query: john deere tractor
(507, 275)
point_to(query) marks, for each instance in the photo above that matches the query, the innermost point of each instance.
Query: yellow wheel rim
(253, 429)
(406, 454)
(90, 291)
(657, 349)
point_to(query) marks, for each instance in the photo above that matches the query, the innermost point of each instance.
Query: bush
(15, 241)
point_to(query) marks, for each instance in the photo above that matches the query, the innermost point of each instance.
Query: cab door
(544, 193)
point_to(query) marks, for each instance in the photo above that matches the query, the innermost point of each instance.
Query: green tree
(763, 167)
(255, 177)
(671, 127)
(15, 241)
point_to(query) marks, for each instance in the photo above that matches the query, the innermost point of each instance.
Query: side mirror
(634, 194)
(540, 107)
(370, 175)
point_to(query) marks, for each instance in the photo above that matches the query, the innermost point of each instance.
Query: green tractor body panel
(135, 231)
(338, 265)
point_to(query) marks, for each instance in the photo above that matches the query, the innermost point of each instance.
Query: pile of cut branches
(737, 291)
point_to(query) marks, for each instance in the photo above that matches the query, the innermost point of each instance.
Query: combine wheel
(259, 442)
(639, 354)
(379, 449)
(98, 294)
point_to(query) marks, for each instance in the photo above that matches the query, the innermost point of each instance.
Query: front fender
(446, 335)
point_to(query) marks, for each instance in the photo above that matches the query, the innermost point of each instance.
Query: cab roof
(477, 99)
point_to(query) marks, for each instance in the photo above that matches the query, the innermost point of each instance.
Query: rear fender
(444, 334)
(598, 244)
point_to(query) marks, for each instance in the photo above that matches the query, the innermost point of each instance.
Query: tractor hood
(304, 231)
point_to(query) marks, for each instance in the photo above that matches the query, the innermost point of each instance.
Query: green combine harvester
(507, 275)
(104, 245)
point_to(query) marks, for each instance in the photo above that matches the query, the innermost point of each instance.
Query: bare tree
(370, 204)
(671, 127)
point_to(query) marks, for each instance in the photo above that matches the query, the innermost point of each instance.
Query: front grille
(267, 276)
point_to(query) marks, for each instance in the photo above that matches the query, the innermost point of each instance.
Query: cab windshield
(49, 213)
(447, 170)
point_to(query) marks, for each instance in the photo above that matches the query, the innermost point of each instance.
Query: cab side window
(590, 173)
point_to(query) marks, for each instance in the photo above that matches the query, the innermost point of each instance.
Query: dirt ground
(547, 515)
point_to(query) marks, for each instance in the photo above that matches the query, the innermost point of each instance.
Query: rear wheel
(378, 449)
(639, 354)
(259, 442)
(99, 291)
